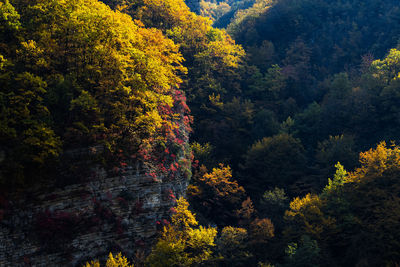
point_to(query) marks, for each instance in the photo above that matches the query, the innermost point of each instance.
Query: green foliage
(338, 179)
(337, 148)
(349, 215)
(307, 124)
(273, 161)
(265, 124)
(213, 61)
(276, 197)
(353, 33)
(305, 255)
(76, 74)
(273, 205)
(9, 17)
(203, 153)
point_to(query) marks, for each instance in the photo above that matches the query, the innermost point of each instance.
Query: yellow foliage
(183, 219)
(180, 243)
(195, 34)
(376, 161)
(117, 261)
(310, 200)
(92, 264)
(307, 213)
(387, 69)
(201, 241)
(232, 238)
(220, 180)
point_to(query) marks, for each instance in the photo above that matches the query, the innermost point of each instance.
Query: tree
(246, 213)
(117, 261)
(273, 161)
(180, 243)
(307, 125)
(261, 231)
(261, 234)
(273, 205)
(305, 255)
(232, 246)
(347, 219)
(76, 74)
(306, 215)
(330, 151)
(217, 195)
(213, 61)
(372, 191)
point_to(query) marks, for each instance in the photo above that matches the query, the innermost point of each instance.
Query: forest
(293, 110)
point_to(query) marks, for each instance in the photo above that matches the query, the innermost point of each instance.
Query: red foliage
(172, 210)
(56, 225)
(102, 211)
(109, 196)
(138, 207)
(140, 243)
(160, 158)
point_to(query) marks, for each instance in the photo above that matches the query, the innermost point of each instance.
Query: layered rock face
(113, 211)
(194, 5)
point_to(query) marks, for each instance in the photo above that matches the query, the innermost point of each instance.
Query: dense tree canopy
(281, 104)
(76, 74)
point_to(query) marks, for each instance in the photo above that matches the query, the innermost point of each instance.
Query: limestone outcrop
(110, 212)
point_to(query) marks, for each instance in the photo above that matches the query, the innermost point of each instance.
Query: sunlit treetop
(75, 74)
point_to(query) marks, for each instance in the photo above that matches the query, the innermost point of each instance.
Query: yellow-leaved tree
(76, 74)
(117, 261)
(182, 243)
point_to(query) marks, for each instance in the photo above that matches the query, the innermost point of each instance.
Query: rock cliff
(110, 212)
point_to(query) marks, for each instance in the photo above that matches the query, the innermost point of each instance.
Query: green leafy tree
(273, 161)
(307, 254)
(273, 205)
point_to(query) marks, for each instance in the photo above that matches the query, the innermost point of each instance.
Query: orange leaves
(220, 180)
(375, 162)
(261, 230)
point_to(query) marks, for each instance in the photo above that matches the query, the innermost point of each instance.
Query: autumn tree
(77, 74)
(232, 245)
(216, 195)
(347, 218)
(214, 63)
(182, 243)
(112, 261)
